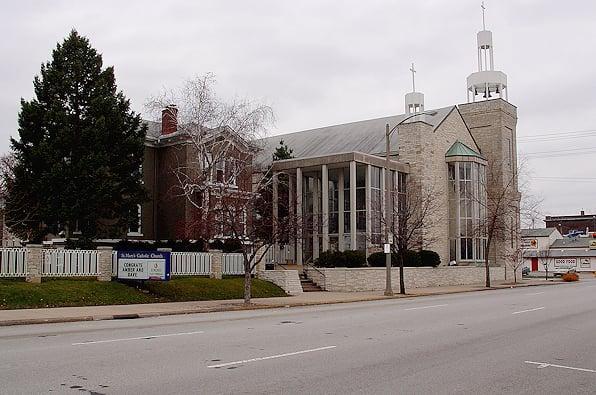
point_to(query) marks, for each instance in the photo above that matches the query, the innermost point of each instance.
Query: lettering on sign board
(565, 262)
(143, 265)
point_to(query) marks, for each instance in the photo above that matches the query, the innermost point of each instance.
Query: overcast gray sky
(326, 62)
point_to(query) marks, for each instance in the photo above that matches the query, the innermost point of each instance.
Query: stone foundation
(288, 280)
(373, 278)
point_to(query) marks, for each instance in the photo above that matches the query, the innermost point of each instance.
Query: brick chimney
(169, 119)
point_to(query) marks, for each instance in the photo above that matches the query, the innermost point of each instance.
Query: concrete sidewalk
(91, 313)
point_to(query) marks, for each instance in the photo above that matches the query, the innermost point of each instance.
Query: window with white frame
(135, 227)
(232, 169)
(220, 167)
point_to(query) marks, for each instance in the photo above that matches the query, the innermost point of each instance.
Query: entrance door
(534, 264)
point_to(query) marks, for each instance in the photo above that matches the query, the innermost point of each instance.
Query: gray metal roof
(361, 136)
(572, 242)
(541, 232)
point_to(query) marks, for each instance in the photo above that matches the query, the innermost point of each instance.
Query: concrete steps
(308, 285)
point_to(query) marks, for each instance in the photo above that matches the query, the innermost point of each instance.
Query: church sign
(144, 265)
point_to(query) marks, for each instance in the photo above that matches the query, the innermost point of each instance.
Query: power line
(525, 140)
(540, 135)
(564, 178)
(565, 150)
(582, 182)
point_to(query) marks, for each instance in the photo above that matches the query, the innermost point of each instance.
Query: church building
(338, 175)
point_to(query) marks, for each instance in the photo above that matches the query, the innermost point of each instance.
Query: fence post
(216, 264)
(34, 262)
(104, 263)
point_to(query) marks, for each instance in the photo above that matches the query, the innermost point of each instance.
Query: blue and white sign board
(144, 265)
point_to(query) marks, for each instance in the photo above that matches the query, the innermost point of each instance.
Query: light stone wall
(373, 279)
(34, 263)
(104, 263)
(493, 123)
(288, 280)
(425, 150)
(216, 264)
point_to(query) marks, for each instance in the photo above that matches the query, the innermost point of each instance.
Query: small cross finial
(413, 70)
(483, 9)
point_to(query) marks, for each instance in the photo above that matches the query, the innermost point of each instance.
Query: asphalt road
(537, 340)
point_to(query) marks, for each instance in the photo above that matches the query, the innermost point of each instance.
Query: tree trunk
(402, 286)
(486, 267)
(247, 286)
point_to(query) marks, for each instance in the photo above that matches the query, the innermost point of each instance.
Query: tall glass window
(375, 205)
(333, 201)
(467, 211)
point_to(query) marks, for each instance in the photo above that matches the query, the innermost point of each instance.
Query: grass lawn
(15, 294)
(182, 289)
(62, 292)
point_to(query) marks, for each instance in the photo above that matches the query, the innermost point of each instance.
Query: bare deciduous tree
(499, 199)
(215, 168)
(530, 210)
(21, 213)
(545, 257)
(515, 261)
(410, 222)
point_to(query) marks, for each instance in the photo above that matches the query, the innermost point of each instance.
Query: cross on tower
(413, 82)
(483, 9)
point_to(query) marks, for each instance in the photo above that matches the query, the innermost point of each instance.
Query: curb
(128, 316)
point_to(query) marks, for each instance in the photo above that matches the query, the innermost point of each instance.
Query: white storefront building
(548, 248)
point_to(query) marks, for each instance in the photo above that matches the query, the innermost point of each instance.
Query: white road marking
(426, 307)
(542, 365)
(535, 293)
(527, 311)
(270, 357)
(137, 338)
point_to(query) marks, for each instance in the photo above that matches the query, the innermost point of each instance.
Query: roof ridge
(359, 121)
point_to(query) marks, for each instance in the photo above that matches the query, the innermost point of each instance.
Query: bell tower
(414, 100)
(487, 82)
(492, 122)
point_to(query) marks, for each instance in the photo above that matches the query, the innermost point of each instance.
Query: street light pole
(387, 246)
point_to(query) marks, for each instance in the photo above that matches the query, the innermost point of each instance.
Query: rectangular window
(510, 152)
(220, 166)
(232, 169)
(135, 228)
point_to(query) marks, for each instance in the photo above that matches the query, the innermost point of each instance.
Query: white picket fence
(13, 262)
(190, 263)
(62, 263)
(69, 263)
(233, 264)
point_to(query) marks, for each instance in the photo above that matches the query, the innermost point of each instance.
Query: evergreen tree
(283, 152)
(79, 152)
